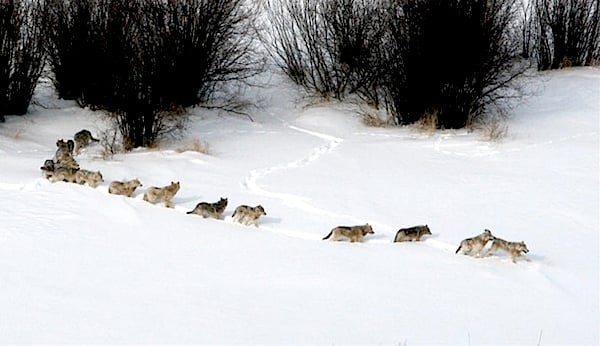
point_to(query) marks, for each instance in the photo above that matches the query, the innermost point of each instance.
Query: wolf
(64, 155)
(475, 244)
(63, 174)
(214, 210)
(125, 188)
(352, 233)
(411, 234)
(247, 215)
(514, 249)
(156, 194)
(83, 176)
(64, 149)
(48, 168)
(67, 162)
(83, 139)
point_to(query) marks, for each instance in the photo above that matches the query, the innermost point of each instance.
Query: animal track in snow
(251, 181)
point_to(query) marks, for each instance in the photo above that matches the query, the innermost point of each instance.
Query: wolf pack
(64, 167)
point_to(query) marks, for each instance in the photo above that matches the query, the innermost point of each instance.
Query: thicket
(146, 61)
(447, 60)
(567, 32)
(21, 54)
(453, 61)
(329, 47)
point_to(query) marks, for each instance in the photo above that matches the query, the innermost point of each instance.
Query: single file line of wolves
(249, 215)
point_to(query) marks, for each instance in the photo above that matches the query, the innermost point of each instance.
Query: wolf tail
(329, 235)
(190, 212)
(94, 139)
(457, 250)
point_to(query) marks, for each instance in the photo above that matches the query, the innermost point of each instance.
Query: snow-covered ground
(81, 266)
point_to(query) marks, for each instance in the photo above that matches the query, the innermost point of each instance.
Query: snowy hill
(81, 266)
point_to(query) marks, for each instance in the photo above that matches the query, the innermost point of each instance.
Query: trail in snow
(460, 149)
(442, 146)
(251, 181)
(302, 203)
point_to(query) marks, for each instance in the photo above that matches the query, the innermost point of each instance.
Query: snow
(81, 266)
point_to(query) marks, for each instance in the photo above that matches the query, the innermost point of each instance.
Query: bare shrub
(110, 142)
(568, 33)
(455, 57)
(22, 54)
(71, 44)
(151, 59)
(329, 47)
(428, 122)
(493, 128)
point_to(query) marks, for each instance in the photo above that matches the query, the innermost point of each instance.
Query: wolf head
(261, 210)
(426, 230)
(522, 247)
(174, 187)
(367, 229)
(487, 235)
(48, 166)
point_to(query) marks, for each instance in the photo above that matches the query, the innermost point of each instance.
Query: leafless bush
(492, 128)
(22, 40)
(452, 58)
(568, 32)
(151, 58)
(110, 142)
(428, 122)
(329, 47)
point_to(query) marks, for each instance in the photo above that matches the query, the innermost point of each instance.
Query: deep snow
(78, 265)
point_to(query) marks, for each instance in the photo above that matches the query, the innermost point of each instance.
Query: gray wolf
(125, 188)
(352, 233)
(247, 215)
(475, 244)
(83, 139)
(48, 168)
(83, 176)
(514, 249)
(64, 155)
(156, 194)
(62, 174)
(411, 234)
(214, 210)
(67, 162)
(63, 149)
